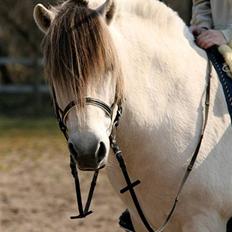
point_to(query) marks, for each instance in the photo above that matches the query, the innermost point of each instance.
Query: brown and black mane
(78, 50)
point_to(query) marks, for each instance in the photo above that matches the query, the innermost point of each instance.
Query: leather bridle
(83, 212)
(61, 116)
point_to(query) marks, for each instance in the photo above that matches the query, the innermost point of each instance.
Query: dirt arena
(36, 188)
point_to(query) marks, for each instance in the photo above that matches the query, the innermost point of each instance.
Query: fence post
(37, 92)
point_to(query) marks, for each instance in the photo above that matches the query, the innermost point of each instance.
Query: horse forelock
(78, 51)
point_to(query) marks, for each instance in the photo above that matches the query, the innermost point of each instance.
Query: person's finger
(205, 43)
(196, 30)
(205, 34)
(201, 37)
(202, 40)
(209, 44)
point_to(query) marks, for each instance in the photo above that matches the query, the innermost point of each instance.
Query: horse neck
(164, 76)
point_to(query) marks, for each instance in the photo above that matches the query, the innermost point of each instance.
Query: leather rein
(84, 211)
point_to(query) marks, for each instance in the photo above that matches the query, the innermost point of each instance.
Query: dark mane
(78, 51)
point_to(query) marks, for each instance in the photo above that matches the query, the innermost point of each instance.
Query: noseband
(61, 116)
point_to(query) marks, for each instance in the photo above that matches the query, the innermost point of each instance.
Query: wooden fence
(34, 93)
(23, 89)
(22, 61)
(36, 64)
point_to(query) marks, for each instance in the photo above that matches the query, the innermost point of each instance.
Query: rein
(84, 211)
(130, 186)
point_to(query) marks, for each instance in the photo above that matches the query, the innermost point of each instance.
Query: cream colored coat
(165, 78)
(215, 14)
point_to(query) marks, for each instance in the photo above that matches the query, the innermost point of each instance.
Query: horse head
(82, 67)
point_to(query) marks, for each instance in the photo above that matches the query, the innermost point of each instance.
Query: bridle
(61, 116)
(84, 211)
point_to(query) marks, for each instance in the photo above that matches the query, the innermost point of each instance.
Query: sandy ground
(37, 192)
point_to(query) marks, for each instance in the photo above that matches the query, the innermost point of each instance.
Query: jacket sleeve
(227, 34)
(201, 14)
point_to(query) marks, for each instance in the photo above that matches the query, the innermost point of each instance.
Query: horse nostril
(101, 152)
(88, 155)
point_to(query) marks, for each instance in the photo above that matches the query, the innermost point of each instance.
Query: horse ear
(43, 17)
(107, 10)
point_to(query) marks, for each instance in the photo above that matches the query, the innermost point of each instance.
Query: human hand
(196, 30)
(208, 38)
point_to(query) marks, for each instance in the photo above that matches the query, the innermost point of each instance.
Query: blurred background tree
(20, 54)
(19, 37)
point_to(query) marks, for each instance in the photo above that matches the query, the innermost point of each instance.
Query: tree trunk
(5, 75)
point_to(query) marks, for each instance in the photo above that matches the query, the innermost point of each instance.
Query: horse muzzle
(88, 150)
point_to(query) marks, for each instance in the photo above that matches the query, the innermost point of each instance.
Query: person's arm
(202, 26)
(201, 14)
(227, 34)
